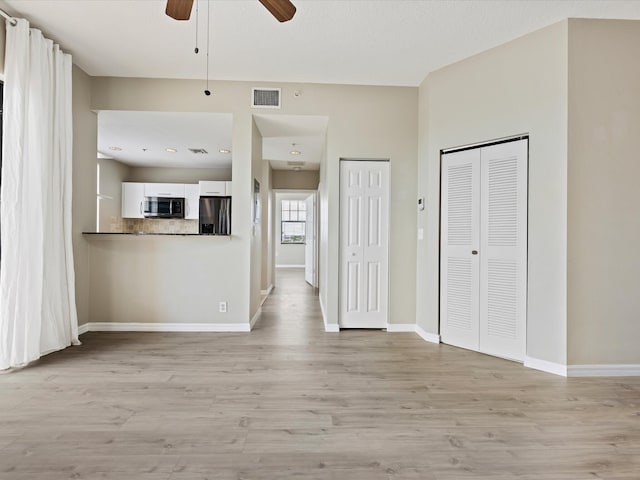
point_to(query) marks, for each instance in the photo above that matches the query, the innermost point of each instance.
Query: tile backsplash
(153, 225)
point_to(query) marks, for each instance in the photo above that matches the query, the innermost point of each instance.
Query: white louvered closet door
(460, 237)
(503, 250)
(483, 262)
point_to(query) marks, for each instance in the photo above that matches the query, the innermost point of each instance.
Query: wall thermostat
(420, 203)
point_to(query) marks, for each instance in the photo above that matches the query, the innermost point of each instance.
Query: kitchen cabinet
(192, 199)
(170, 190)
(132, 198)
(213, 188)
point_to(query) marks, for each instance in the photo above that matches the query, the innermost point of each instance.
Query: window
(294, 216)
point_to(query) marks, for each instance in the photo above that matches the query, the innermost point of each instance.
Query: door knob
(474, 252)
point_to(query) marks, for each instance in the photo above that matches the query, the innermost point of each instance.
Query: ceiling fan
(283, 10)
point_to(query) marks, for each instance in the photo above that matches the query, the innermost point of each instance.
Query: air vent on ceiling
(265, 97)
(295, 164)
(199, 151)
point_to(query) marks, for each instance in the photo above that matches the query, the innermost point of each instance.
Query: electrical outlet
(223, 307)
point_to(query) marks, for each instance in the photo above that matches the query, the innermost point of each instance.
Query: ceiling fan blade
(283, 10)
(179, 9)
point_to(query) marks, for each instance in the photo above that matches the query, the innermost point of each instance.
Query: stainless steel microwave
(163, 207)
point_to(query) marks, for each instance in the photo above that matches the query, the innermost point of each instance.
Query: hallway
(290, 401)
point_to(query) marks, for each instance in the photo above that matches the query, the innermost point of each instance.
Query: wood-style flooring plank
(289, 401)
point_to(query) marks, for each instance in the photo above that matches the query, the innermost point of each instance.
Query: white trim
(331, 328)
(610, 370)
(84, 328)
(290, 266)
(545, 366)
(401, 327)
(166, 327)
(254, 319)
(267, 291)
(427, 336)
(411, 327)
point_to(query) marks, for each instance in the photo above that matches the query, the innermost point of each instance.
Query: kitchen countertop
(145, 234)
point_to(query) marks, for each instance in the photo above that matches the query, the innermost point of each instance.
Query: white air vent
(199, 151)
(265, 97)
(295, 164)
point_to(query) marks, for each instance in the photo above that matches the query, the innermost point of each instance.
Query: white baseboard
(267, 291)
(254, 319)
(401, 327)
(84, 328)
(429, 337)
(166, 327)
(412, 327)
(329, 328)
(612, 370)
(545, 366)
(290, 266)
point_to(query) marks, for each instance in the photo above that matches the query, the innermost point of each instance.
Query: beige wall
(267, 228)
(112, 174)
(603, 192)
(85, 147)
(176, 175)
(257, 166)
(165, 279)
(364, 122)
(519, 87)
(292, 180)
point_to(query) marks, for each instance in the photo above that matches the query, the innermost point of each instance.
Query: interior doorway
(295, 233)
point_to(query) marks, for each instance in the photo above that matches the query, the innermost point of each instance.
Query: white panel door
(364, 244)
(503, 250)
(459, 244)
(310, 241)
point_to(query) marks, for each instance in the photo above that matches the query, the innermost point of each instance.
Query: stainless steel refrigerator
(215, 215)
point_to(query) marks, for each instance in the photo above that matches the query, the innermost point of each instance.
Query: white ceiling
(380, 42)
(281, 132)
(133, 132)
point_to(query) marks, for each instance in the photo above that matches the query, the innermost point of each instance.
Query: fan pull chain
(196, 50)
(207, 92)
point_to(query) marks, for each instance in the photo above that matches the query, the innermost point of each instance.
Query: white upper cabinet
(132, 198)
(213, 188)
(192, 199)
(171, 190)
(227, 186)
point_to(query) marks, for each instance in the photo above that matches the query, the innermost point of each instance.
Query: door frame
(388, 233)
(316, 224)
(471, 146)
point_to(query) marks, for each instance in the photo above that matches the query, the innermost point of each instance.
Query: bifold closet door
(364, 244)
(483, 263)
(460, 235)
(503, 249)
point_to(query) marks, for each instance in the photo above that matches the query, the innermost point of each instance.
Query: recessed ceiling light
(115, 149)
(297, 169)
(295, 152)
(171, 150)
(224, 150)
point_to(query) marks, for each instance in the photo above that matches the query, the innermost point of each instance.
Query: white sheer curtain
(37, 285)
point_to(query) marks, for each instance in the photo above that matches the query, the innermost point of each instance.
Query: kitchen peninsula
(165, 274)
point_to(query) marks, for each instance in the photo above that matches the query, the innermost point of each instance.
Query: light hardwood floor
(288, 401)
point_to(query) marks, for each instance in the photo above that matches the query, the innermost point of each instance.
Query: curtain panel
(37, 282)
